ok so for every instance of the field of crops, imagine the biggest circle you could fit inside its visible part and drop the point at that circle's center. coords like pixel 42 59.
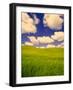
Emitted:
pixel 42 61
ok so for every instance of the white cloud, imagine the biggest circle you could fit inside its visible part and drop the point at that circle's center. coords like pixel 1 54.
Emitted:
pixel 51 46
pixel 45 40
pixel 28 43
pixel 28 25
pixel 53 21
pixel 61 45
pixel 26 18
pixel 33 40
pixel 36 20
pixel 40 40
pixel 59 36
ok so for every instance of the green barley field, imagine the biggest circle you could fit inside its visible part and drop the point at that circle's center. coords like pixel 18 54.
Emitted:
pixel 42 61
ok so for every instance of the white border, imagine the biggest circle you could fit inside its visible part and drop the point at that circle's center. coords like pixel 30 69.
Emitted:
pixel 65 77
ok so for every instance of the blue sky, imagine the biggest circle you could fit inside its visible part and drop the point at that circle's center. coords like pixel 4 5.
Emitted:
pixel 42 30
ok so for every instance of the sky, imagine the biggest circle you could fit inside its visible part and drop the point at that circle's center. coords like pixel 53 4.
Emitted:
pixel 42 29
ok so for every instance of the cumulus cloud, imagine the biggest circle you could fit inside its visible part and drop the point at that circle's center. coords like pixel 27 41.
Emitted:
pixel 45 40
pixel 51 46
pixel 28 44
pixel 27 24
pixel 61 45
pixel 59 36
pixel 36 20
pixel 53 21
pixel 40 40
pixel 33 39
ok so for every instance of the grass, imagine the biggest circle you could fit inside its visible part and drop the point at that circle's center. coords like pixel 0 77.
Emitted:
pixel 42 61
